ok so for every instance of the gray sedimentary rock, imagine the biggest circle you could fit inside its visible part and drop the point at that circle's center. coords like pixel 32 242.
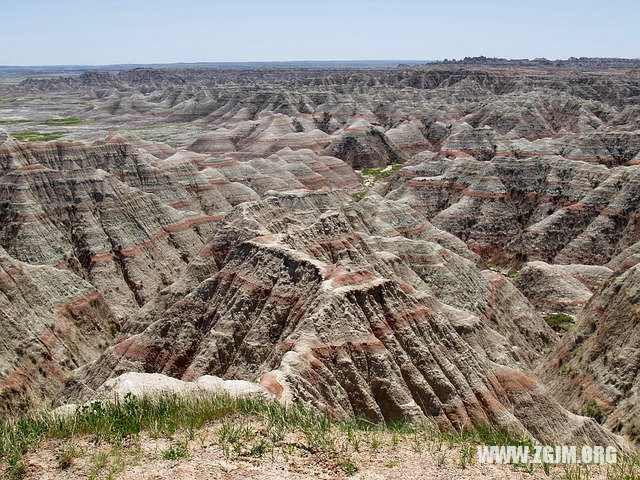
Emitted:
pixel 359 309
pixel 52 321
pixel 551 288
pixel 594 368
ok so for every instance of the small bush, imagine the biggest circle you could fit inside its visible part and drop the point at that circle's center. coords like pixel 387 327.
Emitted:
pixel 594 410
pixel 176 452
pixel 560 321
pixel 358 195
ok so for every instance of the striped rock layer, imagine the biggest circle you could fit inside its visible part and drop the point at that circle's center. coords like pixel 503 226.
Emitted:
pixel 357 308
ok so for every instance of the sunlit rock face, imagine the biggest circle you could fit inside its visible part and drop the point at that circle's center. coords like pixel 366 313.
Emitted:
pixel 357 308
pixel 209 217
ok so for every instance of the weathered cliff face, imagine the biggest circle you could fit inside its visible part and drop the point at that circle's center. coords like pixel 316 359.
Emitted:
pixel 594 369
pixel 111 222
pixel 127 221
pixel 103 212
pixel 361 309
pixel 541 208
pixel 52 322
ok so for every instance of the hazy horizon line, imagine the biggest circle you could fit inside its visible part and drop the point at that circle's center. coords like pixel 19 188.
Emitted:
pixel 354 60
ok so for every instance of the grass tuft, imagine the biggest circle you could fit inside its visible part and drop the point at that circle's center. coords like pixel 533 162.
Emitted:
pixel 349 467
pixel 176 452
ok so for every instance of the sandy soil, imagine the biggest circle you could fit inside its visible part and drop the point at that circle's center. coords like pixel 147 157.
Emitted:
pixel 370 456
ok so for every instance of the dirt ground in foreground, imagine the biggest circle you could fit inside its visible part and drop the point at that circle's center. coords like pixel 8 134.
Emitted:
pixel 363 455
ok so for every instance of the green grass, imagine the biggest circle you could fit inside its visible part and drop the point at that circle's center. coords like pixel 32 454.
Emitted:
pixel 358 196
pixel 18 121
pixel 32 136
pixel 512 273
pixel 7 100
pixel 62 122
pixel 118 423
pixel 119 419
pixel 378 174
pixel 560 321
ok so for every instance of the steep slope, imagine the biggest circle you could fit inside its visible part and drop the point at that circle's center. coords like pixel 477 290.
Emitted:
pixel 342 305
pixel 551 289
pixel 52 322
pixel 127 221
pixel 539 208
pixel 595 368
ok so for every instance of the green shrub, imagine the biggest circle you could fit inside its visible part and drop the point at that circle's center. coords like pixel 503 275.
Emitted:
pixel 560 321
pixel 358 195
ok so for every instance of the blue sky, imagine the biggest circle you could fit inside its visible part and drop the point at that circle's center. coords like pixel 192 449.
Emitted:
pixel 48 32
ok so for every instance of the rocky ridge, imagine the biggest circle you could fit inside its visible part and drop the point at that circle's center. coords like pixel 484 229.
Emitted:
pixel 356 308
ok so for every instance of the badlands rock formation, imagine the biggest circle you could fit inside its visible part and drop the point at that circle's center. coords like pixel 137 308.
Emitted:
pixel 92 232
pixel 359 309
pixel 594 368
pixel 52 322
pixel 551 288
pixel 222 234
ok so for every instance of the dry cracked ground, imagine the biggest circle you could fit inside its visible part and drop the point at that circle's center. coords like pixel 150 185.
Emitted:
pixel 455 243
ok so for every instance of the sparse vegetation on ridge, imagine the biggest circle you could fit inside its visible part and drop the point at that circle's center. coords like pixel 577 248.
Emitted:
pixel 112 433
pixel 382 172
pixel 560 321
pixel 32 136
pixel 62 122
pixel 17 121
